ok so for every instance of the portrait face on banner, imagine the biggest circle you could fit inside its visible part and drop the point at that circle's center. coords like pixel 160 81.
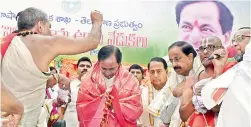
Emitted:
pixel 196 22
pixel 141 33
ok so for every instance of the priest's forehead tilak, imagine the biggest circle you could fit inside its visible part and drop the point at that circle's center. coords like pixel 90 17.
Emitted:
pixel 211 40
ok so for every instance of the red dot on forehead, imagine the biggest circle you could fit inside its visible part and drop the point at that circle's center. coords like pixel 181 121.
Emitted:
pixel 196 23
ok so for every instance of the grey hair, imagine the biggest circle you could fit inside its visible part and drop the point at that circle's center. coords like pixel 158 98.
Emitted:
pixel 28 18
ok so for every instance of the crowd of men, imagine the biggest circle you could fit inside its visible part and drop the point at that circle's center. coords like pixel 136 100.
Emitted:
pixel 202 88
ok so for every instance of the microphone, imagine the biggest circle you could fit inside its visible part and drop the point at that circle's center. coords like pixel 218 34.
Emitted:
pixel 215 56
pixel 232 52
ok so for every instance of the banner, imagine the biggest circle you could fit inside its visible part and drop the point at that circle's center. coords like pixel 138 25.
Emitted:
pixel 142 29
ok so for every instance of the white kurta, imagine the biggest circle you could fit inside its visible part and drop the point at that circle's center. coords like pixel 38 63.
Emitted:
pixel 109 83
pixel 235 110
pixel 70 115
pixel 144 118
pixel 45 113
pixel 22 77
pixel 165 98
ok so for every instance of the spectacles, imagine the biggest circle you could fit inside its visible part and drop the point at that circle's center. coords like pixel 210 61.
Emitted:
pixel 239 38
pixel 209 48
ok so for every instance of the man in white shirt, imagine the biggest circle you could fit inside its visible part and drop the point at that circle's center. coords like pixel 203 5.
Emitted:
pixel 84 65
pixel 231 90
pixel 185 62
pixel 158 71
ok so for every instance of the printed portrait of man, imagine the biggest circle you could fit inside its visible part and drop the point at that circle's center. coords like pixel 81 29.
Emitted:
pixel 198 19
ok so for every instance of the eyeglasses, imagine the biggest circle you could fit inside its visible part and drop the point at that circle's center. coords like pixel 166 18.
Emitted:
pixel 239 38
pixel 209 48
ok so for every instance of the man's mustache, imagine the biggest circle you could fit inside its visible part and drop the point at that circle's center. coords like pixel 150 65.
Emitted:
pixel 85 70
pixel 176 67
pixel 239 57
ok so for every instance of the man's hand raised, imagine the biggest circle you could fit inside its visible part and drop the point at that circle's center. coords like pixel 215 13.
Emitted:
pixel 96 17
pixel 220 62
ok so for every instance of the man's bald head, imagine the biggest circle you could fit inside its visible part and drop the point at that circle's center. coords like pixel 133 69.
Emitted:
pixel 244 28
pixel 211 40
pixel 207 46
pixel 243 31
